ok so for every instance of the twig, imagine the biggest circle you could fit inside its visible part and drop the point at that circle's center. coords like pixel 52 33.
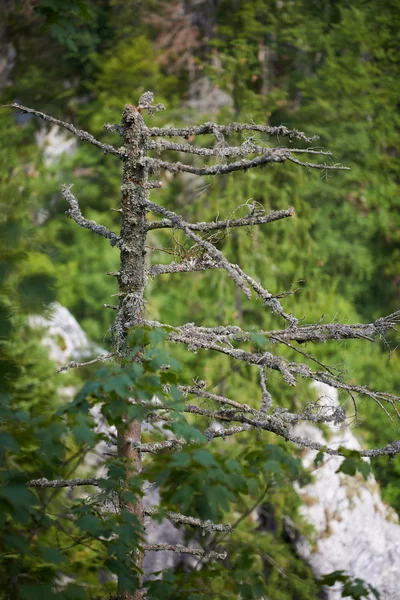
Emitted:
pixel 389 450
pixel 75 365
pixel 180 549
pixel 198 390
pixel 324 166
pixel 205 526
pixel 268 298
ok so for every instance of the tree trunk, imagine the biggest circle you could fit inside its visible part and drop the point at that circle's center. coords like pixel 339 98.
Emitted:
pixel 132 279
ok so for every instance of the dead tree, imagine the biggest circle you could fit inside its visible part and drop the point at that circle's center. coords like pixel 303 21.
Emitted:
pixel 138 141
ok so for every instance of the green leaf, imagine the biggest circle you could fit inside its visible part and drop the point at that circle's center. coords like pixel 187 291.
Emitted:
pixel 39 591
pixel 205 458
pixel 259 340
pixel 51 555
pixel 8 442
pixel 351 465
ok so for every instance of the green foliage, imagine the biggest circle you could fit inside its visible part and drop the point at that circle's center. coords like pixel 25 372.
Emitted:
pixel 351 587
pixel 353 463
pixel 50 440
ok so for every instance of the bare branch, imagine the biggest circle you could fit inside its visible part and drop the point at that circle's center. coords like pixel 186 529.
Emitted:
pixel 336 331
pixel 62 483
pixel 248 147
pixel 75 365
pixel 300 334
pixel 280 423
pixel 198 390
pixel 186 266
pixel 179 549
pixel 79 133
pixel 228 223
pixel 75 213
pixel 336 167
pixel 156 447
pixel 270 156
pixel 266 401
pixel 213 338
pixel 389 450
pixel 211 128
pixel 205 526
pixel 265 359
pixel 313 412
pixel 226 431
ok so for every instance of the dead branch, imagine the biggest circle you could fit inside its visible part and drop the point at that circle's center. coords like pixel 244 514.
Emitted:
pixel 228 223
pixel 324 166
pixel 180 549
pixel 248 147
pixel 79 133
pixel 75 213
pixel 205 526
pixel 75 365
pixel 198 390
pixel 300 333
pixel 186 266
pixel 270 156
pixel 211 128
pixel 62 483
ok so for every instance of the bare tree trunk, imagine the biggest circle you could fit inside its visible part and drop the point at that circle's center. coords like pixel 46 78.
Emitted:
pixel 131 281
pixel 134 465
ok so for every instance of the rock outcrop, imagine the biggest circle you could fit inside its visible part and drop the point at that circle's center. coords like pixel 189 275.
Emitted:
pixel 354 530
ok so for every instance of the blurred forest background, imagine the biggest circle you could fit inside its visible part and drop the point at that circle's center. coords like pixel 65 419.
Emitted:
pixel 326 67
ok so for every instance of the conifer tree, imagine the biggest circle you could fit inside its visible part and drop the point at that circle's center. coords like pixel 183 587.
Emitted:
pixel 138 387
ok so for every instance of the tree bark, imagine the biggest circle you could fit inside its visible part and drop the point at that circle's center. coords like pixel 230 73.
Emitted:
pixel 131 280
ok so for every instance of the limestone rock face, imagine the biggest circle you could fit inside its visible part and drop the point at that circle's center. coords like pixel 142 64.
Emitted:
pixel 63 336
pixel 205 98
pixel 354 530
pixel 54 142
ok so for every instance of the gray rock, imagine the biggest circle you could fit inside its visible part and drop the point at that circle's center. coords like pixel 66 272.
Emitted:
pixel 206 98
pixel 355 530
